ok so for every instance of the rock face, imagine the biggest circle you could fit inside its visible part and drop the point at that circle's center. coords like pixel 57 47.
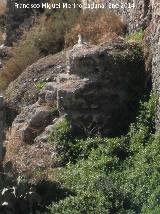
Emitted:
pixel 2 119
pixel 99 94
pixel 22 92
pixel 155 47
pixel 2 127
pixel 31 122
pixel 103 88
pixel 145 15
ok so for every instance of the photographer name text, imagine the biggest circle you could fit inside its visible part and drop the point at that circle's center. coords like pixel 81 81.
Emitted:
pixel 75 5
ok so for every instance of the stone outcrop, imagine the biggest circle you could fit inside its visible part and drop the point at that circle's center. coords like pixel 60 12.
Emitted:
pixel 31 122
pixel 22 91
pixel 103 87
pixel 145 15
pixel 2 118
pixel 154 30
pixel 99 93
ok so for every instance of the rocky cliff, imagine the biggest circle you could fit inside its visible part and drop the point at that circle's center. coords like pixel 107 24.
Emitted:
pixel 154 29
pixel 145 15
pixel 106 82
pixel 69 122
pixel 99 93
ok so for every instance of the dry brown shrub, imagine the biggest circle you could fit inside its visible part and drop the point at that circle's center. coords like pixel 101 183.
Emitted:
pixel 13 144
pixel 23 55
pixel 48 37
pixel 95 26
pixel 2 7
pixel 34 161
pixel 45 37
pixel 1 37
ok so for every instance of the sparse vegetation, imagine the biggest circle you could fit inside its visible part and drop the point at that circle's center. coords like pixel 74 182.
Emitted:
pixel 23 55
pixel 2 7
pixel 96 27
pixel 136 37
pixel 39 86
pixel 62 138
pixel 43 38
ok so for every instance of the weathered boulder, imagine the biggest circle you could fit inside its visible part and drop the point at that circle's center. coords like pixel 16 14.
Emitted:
pixel 48 93
pixel 23 92
pixel 99 94
pixel 43 137
pixel 31 122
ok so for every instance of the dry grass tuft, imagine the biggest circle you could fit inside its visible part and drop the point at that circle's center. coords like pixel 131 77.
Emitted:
pixel 34 161
pixel 13 144
pixel 96 27
pixel 59 31
pixel 23 55
pixel 2 7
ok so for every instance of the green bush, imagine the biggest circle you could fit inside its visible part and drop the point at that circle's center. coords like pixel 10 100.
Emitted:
pixel 62 138
pixel 144 128
pixel 54 112
pixel 136 37
pixel 39 86
pixel 117 175
pixel 50 37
